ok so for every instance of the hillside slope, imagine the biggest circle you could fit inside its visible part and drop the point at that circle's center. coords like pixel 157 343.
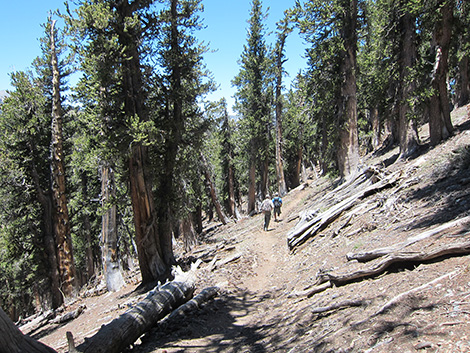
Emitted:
pixel 276 299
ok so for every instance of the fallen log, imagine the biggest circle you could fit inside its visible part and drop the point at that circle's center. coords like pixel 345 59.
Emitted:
pixel 340 305
pixel 127 328
pixel 404 258
pixel 69 316
pixel 38 322
pixel 376 253
pixel 311 290
pixel 401 296
pixel 191 305
pixel 307 229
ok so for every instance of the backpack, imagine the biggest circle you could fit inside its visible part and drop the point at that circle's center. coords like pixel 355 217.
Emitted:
pixel 277 202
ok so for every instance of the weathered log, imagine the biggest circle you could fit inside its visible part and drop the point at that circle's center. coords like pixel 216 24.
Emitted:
pixel 37 322
pixel 69 316
pixel 404 258
pixel 376 253
pixel 340 305
pixel 311 290
pixel 12 339
pixel 127 328
pixel 305 230
pixel 192 305
pixel 401 296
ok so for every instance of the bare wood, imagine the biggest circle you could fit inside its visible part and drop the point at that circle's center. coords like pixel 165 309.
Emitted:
pixel 340 305
pixel 127 328
pixel 387 261
pixel 69 316
pixel 225 261
pixel 311 290
pixel 400 297
pixel 193 304
pixel 305 230
pixel 376 253
pixel 37 322
pixel 71 342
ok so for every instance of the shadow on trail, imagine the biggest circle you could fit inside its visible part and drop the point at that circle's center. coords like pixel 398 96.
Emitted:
pixel 222 325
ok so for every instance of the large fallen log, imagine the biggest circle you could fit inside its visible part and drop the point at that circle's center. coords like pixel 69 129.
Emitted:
pixel 127 328
pixel 376 253
pixel 403 258
pixel 308 228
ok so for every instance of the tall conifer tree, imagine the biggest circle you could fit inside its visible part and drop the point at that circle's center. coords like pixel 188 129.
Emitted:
pixel 253 102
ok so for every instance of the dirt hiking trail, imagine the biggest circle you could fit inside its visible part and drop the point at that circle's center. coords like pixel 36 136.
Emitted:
pixel 274 299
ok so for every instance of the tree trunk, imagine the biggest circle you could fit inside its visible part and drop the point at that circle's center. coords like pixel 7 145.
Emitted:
pixel 464 93
pixel 281 181
pixel 127 328
pixel 90 263
pixel 407 135
pixel 252 184
pixel 375 122
pixel 13 341
pixel 440 125
pixel 348 151
pixel 149 250
pixel 60 210
pixel 300 156
pixel 213 193
pixel 109 238
pixel 153 240
pixel 49 243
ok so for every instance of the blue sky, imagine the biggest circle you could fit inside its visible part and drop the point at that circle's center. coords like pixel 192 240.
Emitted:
pixel 226 21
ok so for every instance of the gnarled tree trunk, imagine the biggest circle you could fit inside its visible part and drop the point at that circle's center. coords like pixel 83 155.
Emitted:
pixel 60 214
pixel 440 125
pixel 12 339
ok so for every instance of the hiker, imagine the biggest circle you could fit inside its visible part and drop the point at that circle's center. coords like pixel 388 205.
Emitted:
pixel 266 207
pixel 277 201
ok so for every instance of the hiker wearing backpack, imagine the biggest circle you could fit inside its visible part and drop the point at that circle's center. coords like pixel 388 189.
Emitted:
pixel 277 202
pixel 266 207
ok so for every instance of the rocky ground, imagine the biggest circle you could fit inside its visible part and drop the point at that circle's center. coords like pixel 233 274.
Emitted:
pixel 271 298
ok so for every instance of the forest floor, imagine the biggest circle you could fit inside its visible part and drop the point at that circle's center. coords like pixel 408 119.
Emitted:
pixel 266 301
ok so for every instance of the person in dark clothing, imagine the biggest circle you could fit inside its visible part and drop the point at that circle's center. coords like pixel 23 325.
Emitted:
pixel 277 202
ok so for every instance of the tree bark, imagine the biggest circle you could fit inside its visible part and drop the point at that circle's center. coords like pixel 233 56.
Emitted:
pixel 402 258
pixel 281 181
pixel 154 245
pixel 440 124
pixel 252 184
pixel 90 263
pixel 464 92
pixel 376 131
pixel 213 193
pixel 109 237
pixel 49 243
pixel 13 341
pixel 127 328
pixel 376 253
pixel 305 230
pixel 407 136
pixel 348 149
pixel 60 210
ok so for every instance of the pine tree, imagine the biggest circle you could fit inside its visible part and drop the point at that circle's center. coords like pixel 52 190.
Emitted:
pixel 284 29
pixel 331 27
pixel 253 102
